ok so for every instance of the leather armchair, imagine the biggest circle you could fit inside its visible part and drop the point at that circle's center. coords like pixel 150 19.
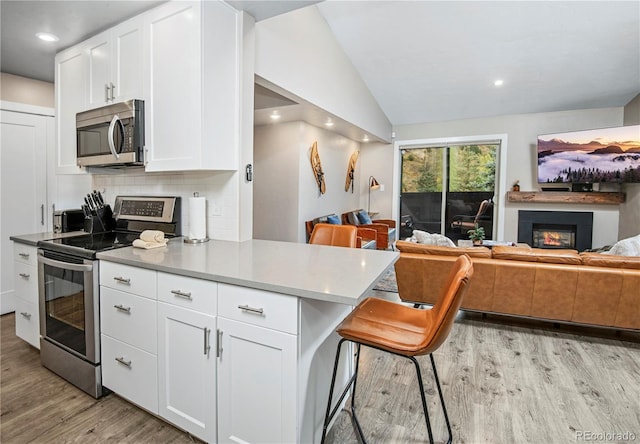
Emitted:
pixel 385 228
pixel 366 237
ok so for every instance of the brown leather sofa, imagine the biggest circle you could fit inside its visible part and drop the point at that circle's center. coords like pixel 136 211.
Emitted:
pixel 557 285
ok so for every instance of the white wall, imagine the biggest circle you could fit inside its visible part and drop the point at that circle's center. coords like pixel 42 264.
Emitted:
pixel 376 159
pixel 630 210
pixel 522 131
pixel 285 190
pixel 219 188
pixel 298 52
pixel 24 90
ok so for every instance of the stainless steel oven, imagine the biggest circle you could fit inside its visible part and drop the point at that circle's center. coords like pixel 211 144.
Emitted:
pixel 69 318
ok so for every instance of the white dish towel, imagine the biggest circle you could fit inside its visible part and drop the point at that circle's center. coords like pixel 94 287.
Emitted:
pixel 150 239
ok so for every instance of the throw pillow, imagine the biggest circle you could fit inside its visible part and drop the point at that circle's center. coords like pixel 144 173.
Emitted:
pixel 423 237
pixel 364 218
pixel 333 219
pixel 626 247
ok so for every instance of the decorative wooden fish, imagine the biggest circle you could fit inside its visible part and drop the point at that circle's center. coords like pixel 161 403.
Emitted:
pixel 317 168
pixel 351 169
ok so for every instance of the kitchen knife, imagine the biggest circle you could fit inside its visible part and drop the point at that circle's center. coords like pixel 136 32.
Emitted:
pixel 98 198
pixel 92 204
pixel 86 200
pixel 94 196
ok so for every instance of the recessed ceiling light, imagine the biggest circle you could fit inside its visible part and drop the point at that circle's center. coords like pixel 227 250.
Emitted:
pixel 365 138
pixel 47 37
pixel 329 122
pixel 275 115
pixel 498 82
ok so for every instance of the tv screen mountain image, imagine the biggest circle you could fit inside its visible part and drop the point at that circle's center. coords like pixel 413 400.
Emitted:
pixel 591 156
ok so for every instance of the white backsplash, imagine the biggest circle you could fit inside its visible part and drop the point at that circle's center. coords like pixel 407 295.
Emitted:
pixel 219 188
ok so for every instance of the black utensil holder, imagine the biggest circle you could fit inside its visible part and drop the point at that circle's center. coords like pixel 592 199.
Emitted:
pixel 100 221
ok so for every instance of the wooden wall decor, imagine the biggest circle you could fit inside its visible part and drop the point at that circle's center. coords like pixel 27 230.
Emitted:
pixel 351 169
pixel 317 168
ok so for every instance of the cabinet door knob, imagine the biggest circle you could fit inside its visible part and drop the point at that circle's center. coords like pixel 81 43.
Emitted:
pixel 25 315
pixel 112 88
pixel 182 294
pixel 121 307
pixel 25 275
pixel 219 344
pixel 207 339
pixel 251 309
pixel 106 92
pixel 24 255
pixel 122 280
pixel 124 362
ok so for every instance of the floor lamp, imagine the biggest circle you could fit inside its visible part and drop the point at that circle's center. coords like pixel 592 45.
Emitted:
pixel 373 185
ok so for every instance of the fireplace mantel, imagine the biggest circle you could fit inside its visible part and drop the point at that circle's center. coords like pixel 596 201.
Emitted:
pixel 593 197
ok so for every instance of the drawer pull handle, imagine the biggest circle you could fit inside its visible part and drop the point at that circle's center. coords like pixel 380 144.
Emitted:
pixel 25 275
pixel 182 294
pixel 25 315
pixel 123 362
pixel 207 340
pixel 122 280
pixel 251 309
pixel 122 308
pixel 24 255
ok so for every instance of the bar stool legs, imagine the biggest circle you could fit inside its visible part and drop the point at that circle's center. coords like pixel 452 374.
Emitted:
pixel 352 384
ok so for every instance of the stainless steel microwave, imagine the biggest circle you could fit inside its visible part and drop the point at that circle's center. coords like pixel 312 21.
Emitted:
pixel 112 135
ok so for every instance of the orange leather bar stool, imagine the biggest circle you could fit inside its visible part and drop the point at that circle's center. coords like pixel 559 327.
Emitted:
pixel 336 235
pixel 402 331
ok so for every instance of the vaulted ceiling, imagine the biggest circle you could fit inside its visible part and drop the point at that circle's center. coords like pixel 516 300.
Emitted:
pixel 423 61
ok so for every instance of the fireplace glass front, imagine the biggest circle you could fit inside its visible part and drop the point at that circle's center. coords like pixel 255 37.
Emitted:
pixel 554 236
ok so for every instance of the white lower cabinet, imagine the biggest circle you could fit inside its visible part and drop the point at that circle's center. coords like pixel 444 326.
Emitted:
pixel 187 369
pixel 257 384
pixel 25 267
pixel 130 372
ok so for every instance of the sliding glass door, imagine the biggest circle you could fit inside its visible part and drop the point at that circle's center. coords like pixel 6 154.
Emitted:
pixel 443 188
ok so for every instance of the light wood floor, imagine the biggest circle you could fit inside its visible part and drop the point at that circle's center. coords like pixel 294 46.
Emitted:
pixel 503 383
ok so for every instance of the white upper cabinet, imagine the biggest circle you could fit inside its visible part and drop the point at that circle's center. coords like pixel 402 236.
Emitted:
pixel 183 59
pixel 192 114
pixel 71 98
pixel 115 64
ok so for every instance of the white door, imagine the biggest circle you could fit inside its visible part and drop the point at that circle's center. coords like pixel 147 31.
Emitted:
pixel 71 98
pixel 256 403
pixel 174 114
pixel 99 62
pixel 127 57
pixel 187 370
pixel 23 188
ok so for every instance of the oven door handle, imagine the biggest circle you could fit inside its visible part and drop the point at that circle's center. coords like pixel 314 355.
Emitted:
pixel 66 265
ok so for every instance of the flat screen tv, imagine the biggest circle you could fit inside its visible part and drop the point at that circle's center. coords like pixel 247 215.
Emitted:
pixel 592 156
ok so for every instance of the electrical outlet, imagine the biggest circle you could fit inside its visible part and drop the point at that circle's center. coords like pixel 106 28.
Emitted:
pixel 216 210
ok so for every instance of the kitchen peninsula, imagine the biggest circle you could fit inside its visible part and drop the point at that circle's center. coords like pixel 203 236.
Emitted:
pixel 231 341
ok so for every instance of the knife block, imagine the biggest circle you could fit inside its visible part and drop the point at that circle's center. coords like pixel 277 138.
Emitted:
pixel 100 221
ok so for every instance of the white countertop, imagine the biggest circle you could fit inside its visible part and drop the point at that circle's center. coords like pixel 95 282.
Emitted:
pixel 334 274
pixel 32 239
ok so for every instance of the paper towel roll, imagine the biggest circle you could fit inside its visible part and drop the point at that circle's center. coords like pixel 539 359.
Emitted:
pixel 197 218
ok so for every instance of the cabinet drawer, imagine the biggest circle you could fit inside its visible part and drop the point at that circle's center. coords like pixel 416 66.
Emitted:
pixel 25 254
pixel 26 282
pixel 134 280
pixel 129 318
pixel 130 372
pixel 197 294
pixel 258 307
pixel 27 322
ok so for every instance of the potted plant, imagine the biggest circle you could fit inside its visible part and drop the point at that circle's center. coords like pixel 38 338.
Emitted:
pixel 476 235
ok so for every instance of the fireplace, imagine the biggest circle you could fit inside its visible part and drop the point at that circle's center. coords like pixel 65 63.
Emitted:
pixel 555 229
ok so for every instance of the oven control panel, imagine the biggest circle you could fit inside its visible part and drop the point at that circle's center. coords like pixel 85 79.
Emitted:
pixel 146 208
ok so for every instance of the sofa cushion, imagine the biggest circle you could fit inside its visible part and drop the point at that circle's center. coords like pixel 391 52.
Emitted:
pixel 333 219
pixel 550 256
pixel 611 261
pixel 363 217
pixel 412 247
pixel 626 247
pixel 423 237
